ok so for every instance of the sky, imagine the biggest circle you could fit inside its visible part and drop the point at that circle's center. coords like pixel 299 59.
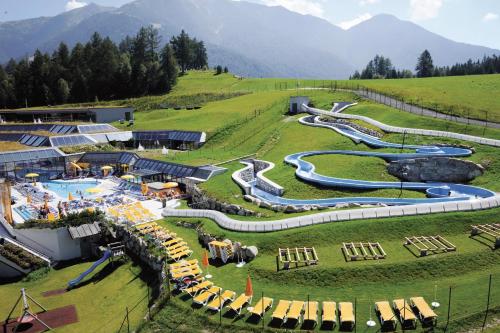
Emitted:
pixel 469 21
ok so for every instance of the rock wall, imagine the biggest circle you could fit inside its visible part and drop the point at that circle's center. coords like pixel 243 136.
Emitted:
pixel 262 182
pixel 435 169
pixel 199 200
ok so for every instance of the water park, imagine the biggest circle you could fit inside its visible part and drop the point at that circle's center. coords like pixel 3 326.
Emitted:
pixel 305 214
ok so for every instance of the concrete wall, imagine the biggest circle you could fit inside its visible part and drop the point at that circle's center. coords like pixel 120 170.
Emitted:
pixel 54 243
pixel 299 100
pixel 108 115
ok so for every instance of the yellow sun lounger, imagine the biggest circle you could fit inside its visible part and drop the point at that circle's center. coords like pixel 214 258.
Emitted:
pixel 281 310
pixel 182 268
pixel 405 313
pixel 311 312
pixel 218 302
pixel 181 255
pixel 194 290
pixel 346 314
pixel 172 241
pixel 183 263
pixel 204 297
pixel 386 315
pixel 329 314
pixel 238 304
pixel 295 311
pixel 177 250
pixel 176 246
pixel 182 275
pixel 261 307
pixel 143 226
pixel 425 313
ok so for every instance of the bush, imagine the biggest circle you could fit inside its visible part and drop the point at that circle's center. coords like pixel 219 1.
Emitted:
pixel 21 257
pixel 70 220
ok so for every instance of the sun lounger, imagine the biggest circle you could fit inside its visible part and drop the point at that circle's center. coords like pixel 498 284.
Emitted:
pixel 204 297
pixel 218 302
pixel 177 250
pixel 346 314
pixel 405 313
pixel 387 317
pixel 181 255
pixel 238 304
pixel 281 310
pixel 181 275
pixel 194 290
pixel 183 263
pixel 329 314
pixel 425 313
pixel 182 268
pixel 295 311
pixel 261 306
pixel 311 312
pixel 172 241
pixel 176 246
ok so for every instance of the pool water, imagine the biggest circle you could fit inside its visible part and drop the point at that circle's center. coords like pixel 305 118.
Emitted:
pixel 63 188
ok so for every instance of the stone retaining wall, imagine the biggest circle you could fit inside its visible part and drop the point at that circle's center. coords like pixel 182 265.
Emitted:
pixel 199 200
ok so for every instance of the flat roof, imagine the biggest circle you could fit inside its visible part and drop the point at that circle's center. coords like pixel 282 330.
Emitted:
pixel 61 110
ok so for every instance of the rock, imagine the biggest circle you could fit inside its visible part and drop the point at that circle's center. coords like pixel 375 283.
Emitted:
pixel 257 202
pixel 341 205
pixel 242 212
pixel 248 198
pixel 435 169
pixel 276 208
pixel 290 209
pixel 251 252
pixel 265 205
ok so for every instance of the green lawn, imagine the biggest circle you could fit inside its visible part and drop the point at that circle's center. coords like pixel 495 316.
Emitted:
pixel 101 299
pixel 471 95
pixel 400 275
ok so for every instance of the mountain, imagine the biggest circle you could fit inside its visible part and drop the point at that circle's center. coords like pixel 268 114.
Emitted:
pixel 251 39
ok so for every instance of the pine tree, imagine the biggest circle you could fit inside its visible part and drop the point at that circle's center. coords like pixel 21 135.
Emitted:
pixel 183 51
pixel 425 67
pixel 168 68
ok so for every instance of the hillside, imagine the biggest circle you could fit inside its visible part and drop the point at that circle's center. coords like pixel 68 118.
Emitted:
pixel 251 39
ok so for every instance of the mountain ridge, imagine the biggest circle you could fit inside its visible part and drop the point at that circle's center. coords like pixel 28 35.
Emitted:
pixel 251 39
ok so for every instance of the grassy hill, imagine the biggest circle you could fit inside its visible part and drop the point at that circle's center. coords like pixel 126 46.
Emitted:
pixel 469 96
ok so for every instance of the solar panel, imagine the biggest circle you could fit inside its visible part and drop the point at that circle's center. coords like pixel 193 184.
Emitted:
pixel 71 140
pixel 187 136
pixel 96 128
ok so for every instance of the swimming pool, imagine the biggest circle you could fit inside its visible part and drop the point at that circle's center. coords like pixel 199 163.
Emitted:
pixel 63 188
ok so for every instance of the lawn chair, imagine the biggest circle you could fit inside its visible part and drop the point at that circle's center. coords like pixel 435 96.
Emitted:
pixel 181 255
pixel 218 302
pixel 183 263
pixel 194 290
pixel 295 311
pixel 261 306
pixel 405 313
pixel 427 316
pixel 281 310
pixel 311 313
pixel 329 314
pixel 386 316
pixel 181 275
pixel 238 304
pixel 204 297
pixel 346 314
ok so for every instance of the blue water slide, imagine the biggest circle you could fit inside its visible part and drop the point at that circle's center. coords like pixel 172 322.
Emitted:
pixel 107 254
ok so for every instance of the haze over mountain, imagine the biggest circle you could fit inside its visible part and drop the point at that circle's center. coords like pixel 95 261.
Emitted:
pixel 249 38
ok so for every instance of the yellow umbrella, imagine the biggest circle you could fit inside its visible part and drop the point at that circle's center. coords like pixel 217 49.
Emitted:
pixel 93 190
pixel 170 185
pixel 74 165
pixel 70 197
pixel 127 177
pixel 106 167
pixel 32 175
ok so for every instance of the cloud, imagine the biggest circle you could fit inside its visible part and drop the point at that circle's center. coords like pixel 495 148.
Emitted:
pixel 355 21
pixel 490 17
pixel 425 9
pixel 74 4
pixel 306 7
pixel 368 2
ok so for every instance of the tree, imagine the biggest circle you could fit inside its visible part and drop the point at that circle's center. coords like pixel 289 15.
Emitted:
pixel 168 68
pixel 226 70
pixel 63 92
pixel 424 66
pixel 182 49
pixel 218 70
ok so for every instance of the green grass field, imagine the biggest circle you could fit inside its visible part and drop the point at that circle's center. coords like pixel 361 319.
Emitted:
pixel 469 96
pixel 101 299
